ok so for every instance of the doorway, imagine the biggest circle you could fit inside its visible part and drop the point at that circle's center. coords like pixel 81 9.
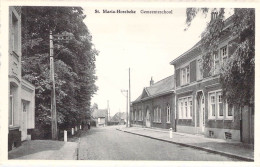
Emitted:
pixel 201 111
pixel 25 105
pixel 148 118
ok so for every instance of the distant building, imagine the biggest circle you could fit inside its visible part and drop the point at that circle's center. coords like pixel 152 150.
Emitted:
pixel 100 117
pixel 119 117
pixel 21 119
pixel 155 106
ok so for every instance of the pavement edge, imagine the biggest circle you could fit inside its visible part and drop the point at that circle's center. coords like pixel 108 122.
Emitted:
pixel 195 147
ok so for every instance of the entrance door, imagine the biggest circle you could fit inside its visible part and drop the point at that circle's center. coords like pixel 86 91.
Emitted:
pixel 202 113
pixel 147 119
pixel 24 121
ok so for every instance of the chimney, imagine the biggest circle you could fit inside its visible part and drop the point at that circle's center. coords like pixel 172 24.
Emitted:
pixel 151 82
pixel 214 15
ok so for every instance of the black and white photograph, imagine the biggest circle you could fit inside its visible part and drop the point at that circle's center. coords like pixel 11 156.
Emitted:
pixel 139 82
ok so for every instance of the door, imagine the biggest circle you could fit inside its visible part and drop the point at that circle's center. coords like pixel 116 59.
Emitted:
pixel 24 121
pixel 202 114
pixel 147 119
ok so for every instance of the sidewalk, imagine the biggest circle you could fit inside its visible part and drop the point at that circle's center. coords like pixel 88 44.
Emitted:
pixel 45 150
pixel 227 148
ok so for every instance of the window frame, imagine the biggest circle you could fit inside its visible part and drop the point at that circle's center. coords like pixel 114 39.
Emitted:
pixel 157 115
pixel 184 110
pixel 168 114
pixel 190 107
pixel 221 53
pixel 217 111
pixel 227 117
pixel 185 75
pixel 218 94
pixel 140 115
pixel 211 94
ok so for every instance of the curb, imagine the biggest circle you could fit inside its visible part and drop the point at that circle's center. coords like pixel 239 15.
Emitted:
pixel 195 147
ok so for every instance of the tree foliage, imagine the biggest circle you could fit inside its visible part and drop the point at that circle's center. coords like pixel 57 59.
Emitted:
pixel 74 63
pixel 237 75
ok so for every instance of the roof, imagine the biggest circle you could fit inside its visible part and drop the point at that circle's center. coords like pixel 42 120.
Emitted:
pixel 195 48
pixel 186 54
pixel 163 86
pixel 119 116
pixel 100 113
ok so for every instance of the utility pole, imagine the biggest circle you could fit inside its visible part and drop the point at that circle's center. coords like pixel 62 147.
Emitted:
pixel 65 37
pixel 126 108
pixel 53 99
pixel 128 116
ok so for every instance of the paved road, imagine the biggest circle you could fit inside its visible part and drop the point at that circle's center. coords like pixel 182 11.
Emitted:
pixel 107 143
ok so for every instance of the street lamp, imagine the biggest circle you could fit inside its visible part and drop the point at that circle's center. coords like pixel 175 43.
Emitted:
pixel 65 37
pixel 126 106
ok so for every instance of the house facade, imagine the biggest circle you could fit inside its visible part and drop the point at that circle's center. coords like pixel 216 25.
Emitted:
pixel 155 106
pixel 21 93
pixel 100 116
pixel 199 103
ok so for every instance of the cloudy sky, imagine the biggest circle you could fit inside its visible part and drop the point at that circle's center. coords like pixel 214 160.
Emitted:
pixel 146 43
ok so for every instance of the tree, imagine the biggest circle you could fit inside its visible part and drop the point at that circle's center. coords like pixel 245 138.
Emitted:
pixel 237 75
pixel 74 63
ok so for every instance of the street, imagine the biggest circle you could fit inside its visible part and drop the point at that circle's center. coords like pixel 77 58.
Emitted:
pixel 107 143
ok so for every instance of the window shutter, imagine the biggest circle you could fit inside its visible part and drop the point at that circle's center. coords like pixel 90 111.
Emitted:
pixel 207 69
pixel 177 77
pixel 193 71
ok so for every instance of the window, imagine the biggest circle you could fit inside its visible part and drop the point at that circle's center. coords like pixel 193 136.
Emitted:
pixel 199 69
pixel 216 64
pixel 136 115
pixel 157 114
pixel 98 120
pixel 140 115
pixel 168 113
pixel 11 110
pixel 154 114
pixel 220 105
pixel 223 54
pixel 219 108
pixel 180 109
pixel 24 107
pixel 212 105
pixel 185 75
pixel 185 108
pixel 14 36
pixel 190 106
pixel 230 111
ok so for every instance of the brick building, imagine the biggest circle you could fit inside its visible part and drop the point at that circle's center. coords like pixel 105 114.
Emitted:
pixel 190 101
pixel 199 103
pixel 21 93
pixel 155 106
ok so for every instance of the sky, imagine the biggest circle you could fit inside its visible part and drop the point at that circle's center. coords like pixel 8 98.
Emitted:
pixel 144 43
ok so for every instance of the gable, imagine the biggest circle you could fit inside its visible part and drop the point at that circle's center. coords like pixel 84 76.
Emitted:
pixel 144 94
